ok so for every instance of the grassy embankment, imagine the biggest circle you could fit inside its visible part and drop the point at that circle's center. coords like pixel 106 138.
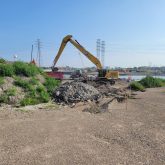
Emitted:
pixel 27 81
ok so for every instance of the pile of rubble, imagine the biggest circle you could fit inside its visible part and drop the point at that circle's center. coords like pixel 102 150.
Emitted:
pixel 106 89
pixel 73 92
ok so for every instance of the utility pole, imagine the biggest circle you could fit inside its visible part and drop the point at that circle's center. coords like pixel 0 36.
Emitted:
pixel 39 45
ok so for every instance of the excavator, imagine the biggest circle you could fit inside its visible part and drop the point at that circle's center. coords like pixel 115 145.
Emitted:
pixel 103 74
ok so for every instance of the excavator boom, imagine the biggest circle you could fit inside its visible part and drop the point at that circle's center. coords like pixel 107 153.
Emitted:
pixel 67 39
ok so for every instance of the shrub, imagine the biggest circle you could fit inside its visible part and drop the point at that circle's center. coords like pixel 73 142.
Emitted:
pixel 51 84
pixel 25 69
pixel 137 86
pixel 1 80
pixel 151 82
pixel 2 61
pixel 6 70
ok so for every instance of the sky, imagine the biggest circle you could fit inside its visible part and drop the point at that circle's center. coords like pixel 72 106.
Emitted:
pixel 133 30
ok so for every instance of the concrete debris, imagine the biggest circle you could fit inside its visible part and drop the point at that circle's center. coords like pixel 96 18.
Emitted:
pixel 106 89
pixel 73 92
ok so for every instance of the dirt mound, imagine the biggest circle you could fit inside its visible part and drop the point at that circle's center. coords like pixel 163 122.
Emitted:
pixel 72 92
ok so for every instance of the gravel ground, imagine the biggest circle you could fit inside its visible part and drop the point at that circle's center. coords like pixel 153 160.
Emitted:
pixel 129 136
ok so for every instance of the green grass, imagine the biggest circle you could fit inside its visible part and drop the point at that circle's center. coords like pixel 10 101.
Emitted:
pixel 51 84
pixel 4 98
pixel 23 84
pixel 11 92
pixel 6 70
pixel 137 86
pixel 33 81
pixel 35 92
pixel 25 69
pixel 29 101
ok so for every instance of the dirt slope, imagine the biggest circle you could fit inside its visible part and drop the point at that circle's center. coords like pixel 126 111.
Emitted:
pixel 134 136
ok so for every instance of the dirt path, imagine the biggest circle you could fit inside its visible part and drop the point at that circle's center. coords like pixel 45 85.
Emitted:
pixel 131 136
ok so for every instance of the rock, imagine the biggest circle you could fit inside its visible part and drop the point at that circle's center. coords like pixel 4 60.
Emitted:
pixel 73 92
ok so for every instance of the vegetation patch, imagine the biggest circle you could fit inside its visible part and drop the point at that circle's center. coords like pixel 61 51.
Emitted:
pixel 1 81
pixel 2 61
pixel 137 86
pixel 51 84
pixel 5 97
pixel 27 87
pixel 23 84
pixel 151 82
pixel 25 69
pixel 29 101
pixel 6 70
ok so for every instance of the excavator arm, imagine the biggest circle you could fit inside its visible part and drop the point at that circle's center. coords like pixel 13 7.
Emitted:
pixel 67 39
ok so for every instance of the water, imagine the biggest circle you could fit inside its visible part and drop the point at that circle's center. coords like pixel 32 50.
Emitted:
pixel 137 77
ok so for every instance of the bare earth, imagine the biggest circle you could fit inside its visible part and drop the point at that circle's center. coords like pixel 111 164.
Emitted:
pixel 132 136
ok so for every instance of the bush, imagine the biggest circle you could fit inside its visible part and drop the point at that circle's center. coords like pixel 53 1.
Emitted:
pixel 51 84
pixel 151 82
pixel 6 70
pixel 137 86
pixel 2 61
pixel 25 69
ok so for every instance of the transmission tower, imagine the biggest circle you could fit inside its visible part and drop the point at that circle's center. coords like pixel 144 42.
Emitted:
pixel 102 52
pixel 98 42
pixel 39 46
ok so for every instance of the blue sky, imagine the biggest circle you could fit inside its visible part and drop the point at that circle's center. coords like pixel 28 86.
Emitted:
pixel 133 30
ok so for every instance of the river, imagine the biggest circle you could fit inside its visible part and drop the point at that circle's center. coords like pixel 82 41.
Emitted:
pixel 137 77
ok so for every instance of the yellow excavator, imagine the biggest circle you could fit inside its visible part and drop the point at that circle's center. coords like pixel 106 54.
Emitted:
pixel 103 74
